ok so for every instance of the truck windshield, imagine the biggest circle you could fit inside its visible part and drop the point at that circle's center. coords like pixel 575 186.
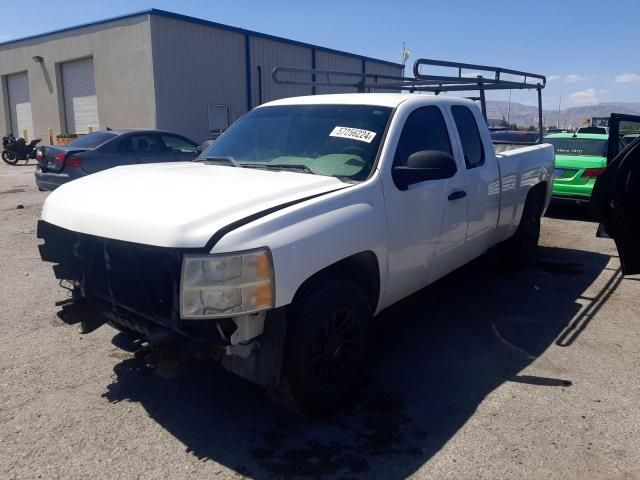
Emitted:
pixel 579 146
pixel 334 140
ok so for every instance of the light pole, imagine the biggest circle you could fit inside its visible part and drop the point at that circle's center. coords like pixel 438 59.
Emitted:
pixel 559 102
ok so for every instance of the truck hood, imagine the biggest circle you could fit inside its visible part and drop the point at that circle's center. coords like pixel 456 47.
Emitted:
pixel 175 204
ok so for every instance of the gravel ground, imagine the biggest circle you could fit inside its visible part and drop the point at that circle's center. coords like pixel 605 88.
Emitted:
pixel 486 374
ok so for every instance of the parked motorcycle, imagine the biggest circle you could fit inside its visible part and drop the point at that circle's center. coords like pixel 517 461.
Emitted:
pixel 14 149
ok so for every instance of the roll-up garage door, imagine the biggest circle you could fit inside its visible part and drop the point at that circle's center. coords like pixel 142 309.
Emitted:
pixel 19 104
pixel 79 90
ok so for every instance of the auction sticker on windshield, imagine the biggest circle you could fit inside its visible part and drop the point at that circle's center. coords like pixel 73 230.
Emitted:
pixel 353 133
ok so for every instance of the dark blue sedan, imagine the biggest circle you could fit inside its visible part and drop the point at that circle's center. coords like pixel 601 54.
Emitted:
pixel 105 149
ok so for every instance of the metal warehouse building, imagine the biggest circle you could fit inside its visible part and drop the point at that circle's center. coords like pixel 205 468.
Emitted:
pixel 152 69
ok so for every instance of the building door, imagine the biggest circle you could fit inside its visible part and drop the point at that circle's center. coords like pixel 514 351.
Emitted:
pixel 19 104
pixel 79 91
pixel 219 119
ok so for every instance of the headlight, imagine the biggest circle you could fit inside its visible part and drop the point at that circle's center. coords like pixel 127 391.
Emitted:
pixel 226 285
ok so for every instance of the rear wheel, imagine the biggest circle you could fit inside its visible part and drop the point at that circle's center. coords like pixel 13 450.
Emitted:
pixel 9 157
pixel 325 348
pixel 517 251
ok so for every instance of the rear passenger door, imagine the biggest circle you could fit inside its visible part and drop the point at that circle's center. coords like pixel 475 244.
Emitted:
pixel 481 179
pixel 142 148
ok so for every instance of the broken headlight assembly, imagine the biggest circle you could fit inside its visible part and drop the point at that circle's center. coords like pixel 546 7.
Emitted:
pixel 215 286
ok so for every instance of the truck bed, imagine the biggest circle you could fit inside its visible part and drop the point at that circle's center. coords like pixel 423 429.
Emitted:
pixel 521 167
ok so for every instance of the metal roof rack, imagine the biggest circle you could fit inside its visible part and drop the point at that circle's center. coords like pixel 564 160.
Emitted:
pixel 465 77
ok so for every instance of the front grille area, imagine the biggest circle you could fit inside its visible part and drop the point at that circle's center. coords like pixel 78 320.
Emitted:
pixel 141 279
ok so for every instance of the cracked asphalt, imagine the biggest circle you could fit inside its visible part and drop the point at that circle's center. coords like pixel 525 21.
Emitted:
pixel 485 375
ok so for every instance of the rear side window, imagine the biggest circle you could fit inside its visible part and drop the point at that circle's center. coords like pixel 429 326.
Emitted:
pixel 472 146
pixel 92 140
pixel 140 143
pixel 424 130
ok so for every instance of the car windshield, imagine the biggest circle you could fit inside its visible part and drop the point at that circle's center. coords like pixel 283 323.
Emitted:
pixel 600 130
pixel 92 140
pixel 334 140
pixel 579 146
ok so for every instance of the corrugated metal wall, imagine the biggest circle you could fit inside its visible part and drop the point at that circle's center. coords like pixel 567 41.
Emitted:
pixel 340 63
pixel 267 54
pixel 196 66
pixel 382 69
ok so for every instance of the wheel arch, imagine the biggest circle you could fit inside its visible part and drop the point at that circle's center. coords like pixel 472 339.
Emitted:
pixel 537 196
pixel 362 268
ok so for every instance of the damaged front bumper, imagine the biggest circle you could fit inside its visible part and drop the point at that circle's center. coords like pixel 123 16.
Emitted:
pixel 136 287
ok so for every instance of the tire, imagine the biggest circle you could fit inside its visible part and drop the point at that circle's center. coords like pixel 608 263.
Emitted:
pixel 516 252
pixel 9 157
pixel 325 348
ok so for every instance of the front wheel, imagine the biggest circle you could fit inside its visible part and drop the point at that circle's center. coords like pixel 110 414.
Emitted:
pixel 325 348
pixel 9 157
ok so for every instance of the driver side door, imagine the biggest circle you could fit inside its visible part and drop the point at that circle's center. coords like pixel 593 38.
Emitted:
pixel 616 194
pixel 426 222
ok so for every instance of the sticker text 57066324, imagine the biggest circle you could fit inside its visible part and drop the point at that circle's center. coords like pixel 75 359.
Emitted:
pixel 354 133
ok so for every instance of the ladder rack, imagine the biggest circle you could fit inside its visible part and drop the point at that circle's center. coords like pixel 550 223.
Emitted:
pixel 464 77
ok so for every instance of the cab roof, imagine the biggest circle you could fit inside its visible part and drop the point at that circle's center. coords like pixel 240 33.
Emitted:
pixel 373 99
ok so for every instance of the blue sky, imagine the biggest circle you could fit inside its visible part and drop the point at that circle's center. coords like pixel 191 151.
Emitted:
pixel 588 49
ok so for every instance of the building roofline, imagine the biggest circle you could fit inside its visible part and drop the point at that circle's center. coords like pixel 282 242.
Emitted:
pixel 208 23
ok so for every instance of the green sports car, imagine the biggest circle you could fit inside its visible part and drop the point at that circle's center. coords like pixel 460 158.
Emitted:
pixel 580 158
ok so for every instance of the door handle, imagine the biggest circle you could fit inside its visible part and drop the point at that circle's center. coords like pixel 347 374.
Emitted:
pixel 457 195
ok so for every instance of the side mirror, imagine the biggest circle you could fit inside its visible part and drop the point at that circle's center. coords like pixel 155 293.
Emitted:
pixel 424 165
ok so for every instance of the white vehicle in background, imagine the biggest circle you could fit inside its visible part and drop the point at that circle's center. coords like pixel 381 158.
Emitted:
pixel 593 129
pixel 275 248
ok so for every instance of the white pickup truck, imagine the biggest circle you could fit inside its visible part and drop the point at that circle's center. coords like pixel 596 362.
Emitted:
pixel 274 249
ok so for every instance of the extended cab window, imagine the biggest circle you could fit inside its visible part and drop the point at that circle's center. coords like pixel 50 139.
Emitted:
pixel 472 146
pixel 424 130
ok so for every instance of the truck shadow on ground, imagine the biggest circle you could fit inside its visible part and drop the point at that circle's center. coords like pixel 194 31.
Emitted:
pixel 579 212
pixel 438 354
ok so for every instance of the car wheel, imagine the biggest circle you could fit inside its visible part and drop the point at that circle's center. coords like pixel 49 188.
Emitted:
pixel 516 252
pixel 325 348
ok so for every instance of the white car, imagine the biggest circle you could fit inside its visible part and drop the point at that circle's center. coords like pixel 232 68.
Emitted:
pixel 277 246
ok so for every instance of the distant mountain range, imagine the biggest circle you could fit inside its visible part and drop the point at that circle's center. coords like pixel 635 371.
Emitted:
pixel 525 115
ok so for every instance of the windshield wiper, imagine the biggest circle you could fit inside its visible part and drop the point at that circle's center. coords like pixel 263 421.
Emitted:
pixel 283 166
pixel 229 160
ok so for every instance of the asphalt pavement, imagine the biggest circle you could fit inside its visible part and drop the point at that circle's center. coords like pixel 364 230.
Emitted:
pixel 487 374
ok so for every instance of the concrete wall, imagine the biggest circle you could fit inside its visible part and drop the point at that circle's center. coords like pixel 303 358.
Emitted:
pixel 196 66
pixel 123 69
